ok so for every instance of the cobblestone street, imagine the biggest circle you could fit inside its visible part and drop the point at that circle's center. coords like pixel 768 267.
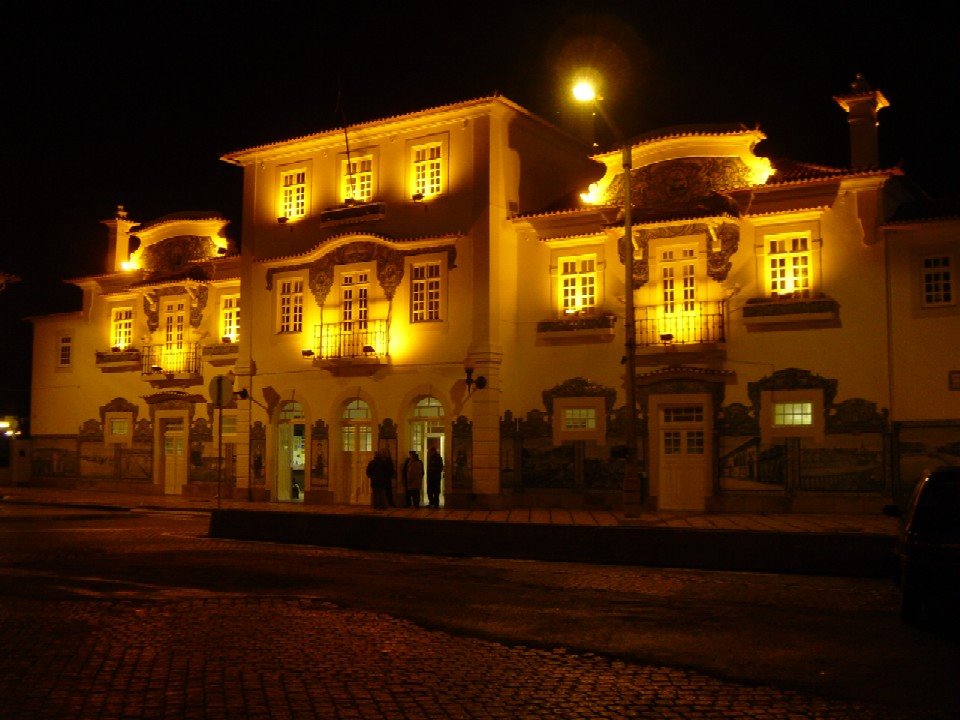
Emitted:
pixel 279 658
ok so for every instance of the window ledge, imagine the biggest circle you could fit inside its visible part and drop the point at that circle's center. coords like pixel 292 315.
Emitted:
pixel 356 212
pixel 578 327
pixel 224 354
pixel 112 361
pixel 773 311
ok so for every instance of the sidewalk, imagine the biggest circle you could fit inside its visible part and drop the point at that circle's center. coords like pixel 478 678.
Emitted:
pixel 853 545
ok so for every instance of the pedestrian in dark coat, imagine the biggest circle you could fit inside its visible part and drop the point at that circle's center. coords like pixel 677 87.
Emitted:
pixel 414 479
pixel 434 474
pixel 380 471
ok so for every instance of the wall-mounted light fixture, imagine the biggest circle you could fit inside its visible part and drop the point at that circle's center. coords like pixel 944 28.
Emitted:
pixel 417 197
pixel 480 382
pixel 666 338
pixel 307 353
pixel 156 368
pixel 226 340
pixel 282 220
pixel 369 349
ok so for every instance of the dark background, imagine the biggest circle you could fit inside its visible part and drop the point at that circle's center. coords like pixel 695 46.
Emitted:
pixel 133 102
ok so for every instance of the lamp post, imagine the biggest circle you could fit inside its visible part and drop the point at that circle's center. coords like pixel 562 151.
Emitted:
pixel 584 91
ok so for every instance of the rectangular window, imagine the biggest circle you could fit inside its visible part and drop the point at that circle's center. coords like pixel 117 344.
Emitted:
pixel 65 351
pixel 121 328
pixel 578 283
pixel 291 306
pixel 937 281
pixel 294 198
pixel 355 301
pixel 683 413
pixel 425 292
pixel 427 170
pixel 695 442
pixel 671 442
pixel 579 418
pixel 358 179
pixel 792 413
pixel 229 423
pixel 789 266
pixel 230 317
pixel 174 322
pixel 119 427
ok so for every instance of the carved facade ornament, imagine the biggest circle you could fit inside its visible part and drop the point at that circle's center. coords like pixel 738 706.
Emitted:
pixel 536 425
pixel 681 182
pixel 143 431
pixel 857 415
pixel 716 389
pixel 578 387
pixel 737 420
pixel 152 300
pixel 91 430
pixel 201 431
pixel 118 404
pixel 320 431
pixel 462 427
pixel 727 238
pixel 792 379
pixel 387 430
pixel 198 302
pixel 723 240
pixel 388 258
pixel 176 254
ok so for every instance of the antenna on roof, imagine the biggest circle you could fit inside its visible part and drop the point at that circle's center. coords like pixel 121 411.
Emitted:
pixel 346 141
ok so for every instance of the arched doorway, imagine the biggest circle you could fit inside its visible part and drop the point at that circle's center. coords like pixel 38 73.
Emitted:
pixel 427 430
pixel 291 452
pixel 356 450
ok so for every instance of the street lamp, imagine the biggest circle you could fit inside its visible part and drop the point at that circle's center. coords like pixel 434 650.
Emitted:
pixel 585 91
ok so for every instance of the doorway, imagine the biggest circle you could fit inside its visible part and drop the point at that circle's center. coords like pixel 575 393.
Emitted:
pixel 356 450
pixel 684 456
pixel 291 453
pixel 174 457
pixel 427 430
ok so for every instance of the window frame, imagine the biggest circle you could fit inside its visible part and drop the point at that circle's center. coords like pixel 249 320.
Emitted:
pixel 562 433
pixel 230 316
pixel 293 324
pixel 788 269
pixel 949 281
pixel 290 206
pixel 109 423
pixel 421 190
pixel 370 174
pixel 121 328
pixel 770 431
pixel 64 343
pixel 433 291
pixel 579 277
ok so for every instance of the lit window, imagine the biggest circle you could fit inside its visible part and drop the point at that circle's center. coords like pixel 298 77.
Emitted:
pixel 119 427
pixel 355 301
pixel 229 421
pixel 121 328
pixel 291 306
pixel 358 179
pixel 792 413
pixel 579 418
pixel 65 351
pixel 230 317
pixel 788 263
pixel 937 281
pixel 425 292
pixel 294 198
pixel 427 170
pixel 578 284
pixel 678 285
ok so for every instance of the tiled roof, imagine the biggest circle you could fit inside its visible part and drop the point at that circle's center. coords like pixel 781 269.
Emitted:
pixel 793 171
pixel 178 217
pixel 326 241
pixel 926 211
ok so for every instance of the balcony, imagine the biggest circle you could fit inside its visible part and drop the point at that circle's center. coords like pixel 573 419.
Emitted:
pixel 159 361
pixel 578 328
pixel 690 328
pixel 356 342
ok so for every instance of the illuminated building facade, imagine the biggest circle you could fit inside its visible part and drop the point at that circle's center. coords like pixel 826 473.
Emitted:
pixel 453 278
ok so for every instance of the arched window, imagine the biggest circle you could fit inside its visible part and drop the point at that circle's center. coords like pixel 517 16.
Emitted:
pixel 291 411
pixel 356 410
pixel 428 407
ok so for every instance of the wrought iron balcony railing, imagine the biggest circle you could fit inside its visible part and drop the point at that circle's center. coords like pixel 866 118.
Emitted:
pixel 681 323
pixel 352 339
pixel 161 360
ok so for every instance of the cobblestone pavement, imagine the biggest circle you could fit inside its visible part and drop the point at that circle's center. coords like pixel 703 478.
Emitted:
pixel 231 657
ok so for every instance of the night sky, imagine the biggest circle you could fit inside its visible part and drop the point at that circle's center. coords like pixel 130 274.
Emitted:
pixel 134 102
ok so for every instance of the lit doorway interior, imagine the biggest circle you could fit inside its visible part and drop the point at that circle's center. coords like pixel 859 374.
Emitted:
pixel 291 452
pixel 356 450
pixel 427 431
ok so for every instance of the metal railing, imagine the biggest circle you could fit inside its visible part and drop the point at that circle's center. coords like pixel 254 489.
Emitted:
pixel 161 360
pixel 681 323
pixel 352 339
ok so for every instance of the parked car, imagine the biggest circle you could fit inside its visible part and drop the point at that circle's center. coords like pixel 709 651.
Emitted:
pixel 928 545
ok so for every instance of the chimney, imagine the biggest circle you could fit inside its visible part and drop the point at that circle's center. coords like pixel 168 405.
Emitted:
pixel 118 242
pixel 862 104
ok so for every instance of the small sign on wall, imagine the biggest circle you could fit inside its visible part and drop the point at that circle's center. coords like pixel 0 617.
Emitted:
pixel 954 380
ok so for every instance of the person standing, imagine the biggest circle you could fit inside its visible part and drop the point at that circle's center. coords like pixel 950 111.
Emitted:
pixel 380 472
pixel 434 473
pixel 414 479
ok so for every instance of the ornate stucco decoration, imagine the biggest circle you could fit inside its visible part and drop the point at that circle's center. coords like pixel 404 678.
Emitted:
pixel 201 430
pixel 175 254
pixel 723 240
pixel 91 430
pixel 681 182
pixel 173 400
pixel 387 430
pixel 578 387
pixel 388 258
pixel 320 431
pixel 736 420
pixel 792 379
pixel 680 387
pixel 198 302
pixel 857 415
pixel 118 404
pixel 143 431
pixel 535 425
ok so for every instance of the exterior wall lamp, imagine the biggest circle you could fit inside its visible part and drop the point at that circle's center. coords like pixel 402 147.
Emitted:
pixel 480 382
pixel 307 353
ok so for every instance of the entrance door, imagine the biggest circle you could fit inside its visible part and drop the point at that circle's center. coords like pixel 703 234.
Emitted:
pixel 427 431
pixel 291 452
pixel 683 457
pixel 356 450
pixel 174 461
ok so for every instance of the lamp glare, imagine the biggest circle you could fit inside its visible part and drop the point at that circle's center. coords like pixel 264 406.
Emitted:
pixel 583 91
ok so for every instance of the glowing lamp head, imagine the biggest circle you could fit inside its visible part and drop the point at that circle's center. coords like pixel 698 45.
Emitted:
pixel 584 91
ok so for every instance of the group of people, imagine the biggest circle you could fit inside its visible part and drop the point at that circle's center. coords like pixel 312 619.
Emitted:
pixel 381 472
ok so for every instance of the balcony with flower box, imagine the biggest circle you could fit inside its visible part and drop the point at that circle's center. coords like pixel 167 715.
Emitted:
pixel 118 359
pixel 681 332
pixel 354 343
pixel 578 327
